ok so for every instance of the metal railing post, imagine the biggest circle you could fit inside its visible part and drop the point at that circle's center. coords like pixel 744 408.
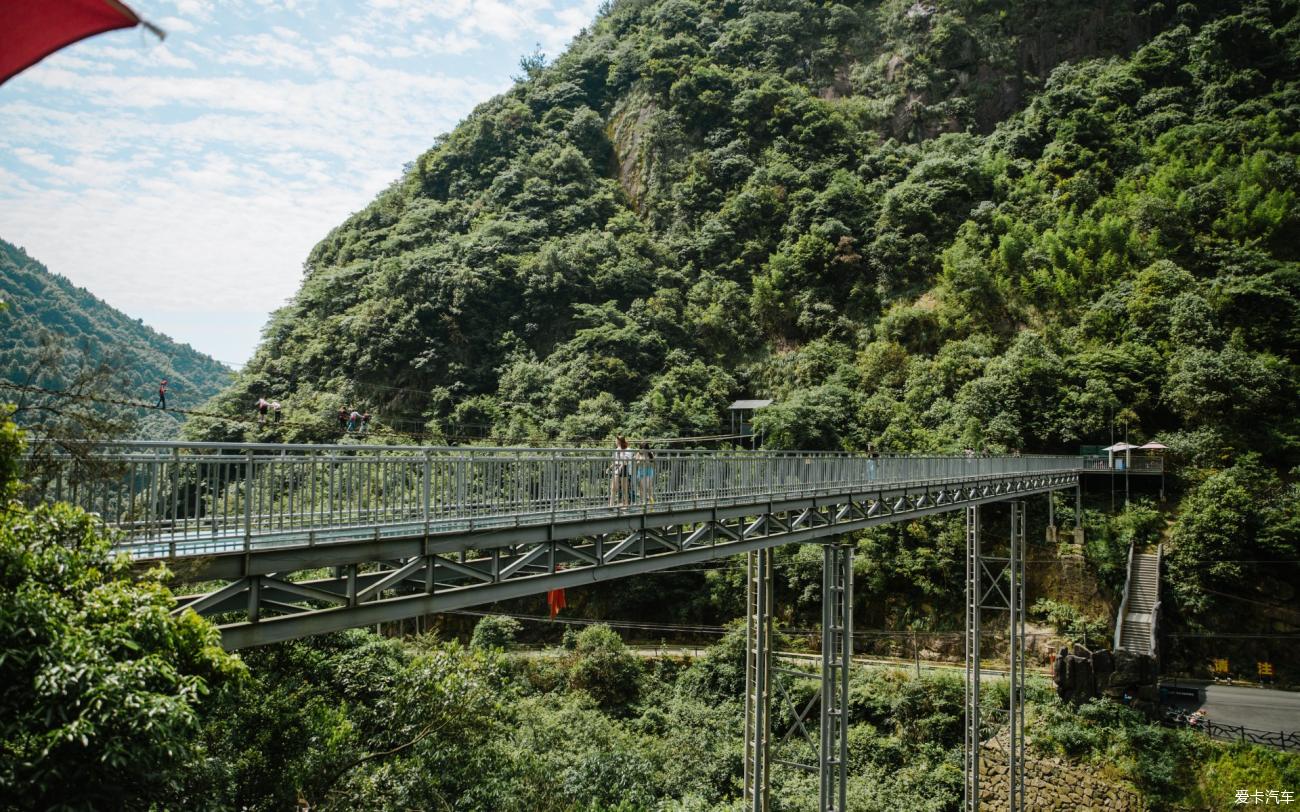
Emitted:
pixel 428 488
pixel 248 500
pixel 176 496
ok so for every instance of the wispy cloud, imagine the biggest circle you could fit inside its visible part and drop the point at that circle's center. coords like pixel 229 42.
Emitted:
pixel 193 176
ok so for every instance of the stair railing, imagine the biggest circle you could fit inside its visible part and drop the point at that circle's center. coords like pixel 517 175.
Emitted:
pixel 1155 610
pixel 1123 603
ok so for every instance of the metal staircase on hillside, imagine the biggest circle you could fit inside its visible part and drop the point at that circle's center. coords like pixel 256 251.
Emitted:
pixel 1135 628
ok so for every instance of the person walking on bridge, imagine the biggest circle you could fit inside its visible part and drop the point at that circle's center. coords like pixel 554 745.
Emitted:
pixel 162 395
pixel 620 470
pixel 645 474
pixel 262 406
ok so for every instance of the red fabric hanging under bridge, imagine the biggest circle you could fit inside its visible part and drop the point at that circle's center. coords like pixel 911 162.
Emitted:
pixel 31 30
pixel 555 599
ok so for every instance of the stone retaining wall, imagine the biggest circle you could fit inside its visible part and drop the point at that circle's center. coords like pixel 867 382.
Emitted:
pixel 1051 784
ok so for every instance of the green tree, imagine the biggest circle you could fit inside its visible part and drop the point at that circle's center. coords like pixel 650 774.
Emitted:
pixel 101 687
pixel 1229 527
pixel 495 632
pixel 604 668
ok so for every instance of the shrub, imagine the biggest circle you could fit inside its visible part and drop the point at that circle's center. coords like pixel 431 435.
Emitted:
pixel 605 669
pixel 495 632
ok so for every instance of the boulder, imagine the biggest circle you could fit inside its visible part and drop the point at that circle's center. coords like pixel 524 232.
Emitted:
pixel 1132 669
pixel 1081 675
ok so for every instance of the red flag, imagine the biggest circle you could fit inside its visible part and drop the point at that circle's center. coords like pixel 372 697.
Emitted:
pixel 555 599
pixel 31 30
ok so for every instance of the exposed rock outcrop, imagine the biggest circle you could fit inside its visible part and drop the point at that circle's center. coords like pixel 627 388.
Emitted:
pixel 1081 675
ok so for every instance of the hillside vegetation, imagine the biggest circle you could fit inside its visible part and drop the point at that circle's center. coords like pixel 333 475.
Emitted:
pixel 919 225
pixel 354 721
pixel 112 701
pixel 53 333
pixel 922 225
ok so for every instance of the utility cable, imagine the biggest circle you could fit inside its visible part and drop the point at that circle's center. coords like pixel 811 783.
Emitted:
pixel 378 431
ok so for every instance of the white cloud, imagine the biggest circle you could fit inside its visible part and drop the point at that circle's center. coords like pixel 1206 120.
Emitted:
pixel 176 25
pixel 153 54
pixel 274 50
pixel 453 42
pixel 188 181
pixel 197 9
pixel 352 45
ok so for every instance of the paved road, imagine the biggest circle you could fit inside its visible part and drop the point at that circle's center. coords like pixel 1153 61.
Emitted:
pixel 1258 708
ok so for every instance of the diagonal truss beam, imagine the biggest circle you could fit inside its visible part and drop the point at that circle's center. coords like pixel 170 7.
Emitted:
pixel 506 573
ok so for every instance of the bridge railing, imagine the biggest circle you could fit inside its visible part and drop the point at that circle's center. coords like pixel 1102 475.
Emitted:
pixel 163 493
pixel 1139 464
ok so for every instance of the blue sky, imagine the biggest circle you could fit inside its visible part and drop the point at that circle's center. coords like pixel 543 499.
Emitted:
pixel 184 182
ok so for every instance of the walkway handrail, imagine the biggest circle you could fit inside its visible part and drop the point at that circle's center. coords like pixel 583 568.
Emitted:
pixel 1123 602
pixel 1155 609
pixel 160 492
pixel 1143 464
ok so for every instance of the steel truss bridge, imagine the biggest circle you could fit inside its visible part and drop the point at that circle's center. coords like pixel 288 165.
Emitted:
pixel 295 540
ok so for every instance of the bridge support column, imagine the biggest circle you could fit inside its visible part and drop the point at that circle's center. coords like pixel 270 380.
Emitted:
pixel 254 598
pixel 758 696
pixel 1016 658
pixel 837 652
pixel 996 583
pixel 971 792
pixel 1078 512
pixel 1051 517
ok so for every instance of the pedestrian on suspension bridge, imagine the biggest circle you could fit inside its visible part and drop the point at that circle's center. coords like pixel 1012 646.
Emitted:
pixel 645 474
pixel 162 395
pixel 262 406
pixel 620 471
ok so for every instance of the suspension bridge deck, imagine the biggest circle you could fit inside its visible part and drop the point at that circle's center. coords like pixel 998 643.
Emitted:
pixel 406 531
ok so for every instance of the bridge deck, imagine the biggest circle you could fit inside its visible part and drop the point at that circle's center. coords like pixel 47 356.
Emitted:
pixel 409 531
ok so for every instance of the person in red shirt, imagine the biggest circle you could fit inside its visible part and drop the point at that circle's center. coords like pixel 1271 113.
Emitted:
pixel 162 395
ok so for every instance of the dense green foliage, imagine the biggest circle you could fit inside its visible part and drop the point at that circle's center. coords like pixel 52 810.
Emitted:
pixel 353 721
pixel 52 331
pixel 101 688
pixel 1162 762
pixel 678 210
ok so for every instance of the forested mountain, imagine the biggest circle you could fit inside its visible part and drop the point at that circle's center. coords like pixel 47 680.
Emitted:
pixel 54 334
pixel 920 225
pixel 926 225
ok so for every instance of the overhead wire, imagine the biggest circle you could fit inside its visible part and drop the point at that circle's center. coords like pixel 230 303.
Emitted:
pixel 284 421
pixel 425 393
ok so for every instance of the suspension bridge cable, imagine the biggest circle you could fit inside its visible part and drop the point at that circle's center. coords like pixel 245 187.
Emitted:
pixel 378 431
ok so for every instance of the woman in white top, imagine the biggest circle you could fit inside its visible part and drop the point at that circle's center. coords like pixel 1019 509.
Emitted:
pixel 620 470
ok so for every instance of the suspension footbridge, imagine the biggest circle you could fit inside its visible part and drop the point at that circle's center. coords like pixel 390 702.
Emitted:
pixel 287 541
